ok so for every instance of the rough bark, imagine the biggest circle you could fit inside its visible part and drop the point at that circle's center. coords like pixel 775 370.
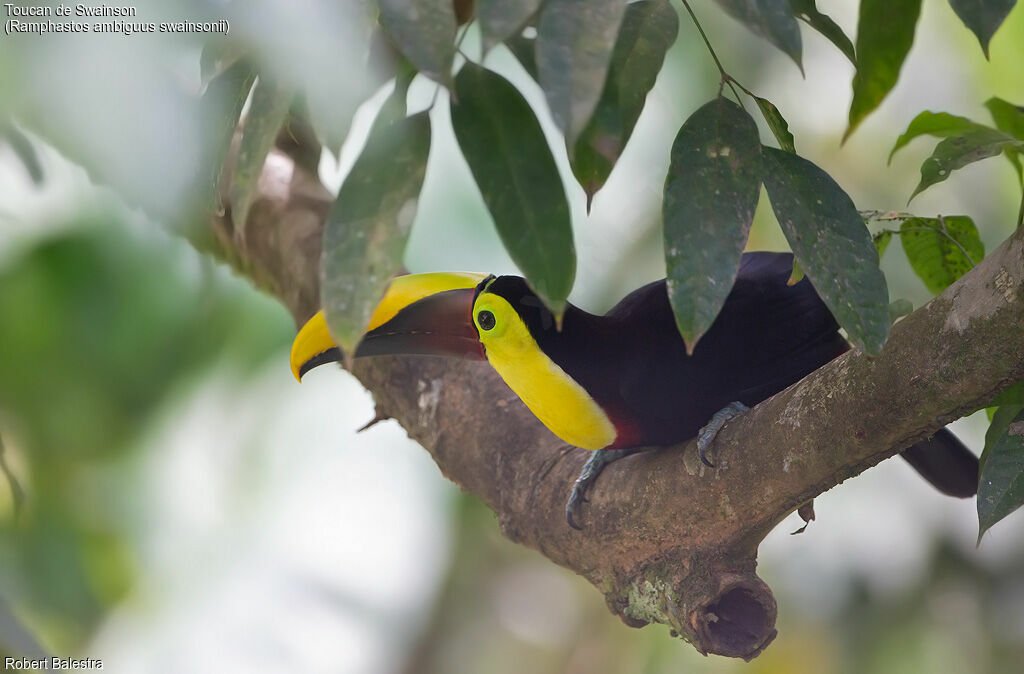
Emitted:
pixel 665 538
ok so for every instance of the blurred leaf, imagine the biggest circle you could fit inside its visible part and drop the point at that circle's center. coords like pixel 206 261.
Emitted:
pixel 885 32
pixel 332 109
pixel 882 240
pixel 298 138
pixel 833 246
pixel 771 19
pixel 369 223
pixel 808 11
pixel 1009 118
pixel 899 308
pixel 424 31
pixel 270 104
pixel 218 54
pixel 938 124
pixel 17 492
pixel 524 49
pixel 24 149
pixel 959 151
pixel 777 123
pixel 575 39
pixel 510 159
pixel 500 19
pixel 711 192
pixel 934 251
pixel 220 108
pixel 1001 487
pixel 983 17
pixel 648 30
pixel 16 637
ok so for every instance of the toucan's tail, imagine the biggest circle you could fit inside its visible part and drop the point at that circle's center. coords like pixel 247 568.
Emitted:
pixel 946 463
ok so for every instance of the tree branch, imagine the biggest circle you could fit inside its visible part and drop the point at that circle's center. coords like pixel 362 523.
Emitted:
pixel 666 539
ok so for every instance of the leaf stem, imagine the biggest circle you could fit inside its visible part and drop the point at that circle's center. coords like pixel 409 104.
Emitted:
pixel 1020 213
pixel 942 231
pixel 726 77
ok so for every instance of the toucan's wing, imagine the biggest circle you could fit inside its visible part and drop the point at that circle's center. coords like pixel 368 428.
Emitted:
pixel 767 336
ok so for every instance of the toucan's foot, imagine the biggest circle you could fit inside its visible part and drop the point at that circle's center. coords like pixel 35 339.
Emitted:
pixel 591 469
pixel 706 435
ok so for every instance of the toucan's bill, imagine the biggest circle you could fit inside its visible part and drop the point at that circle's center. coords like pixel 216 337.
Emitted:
pixel 424 314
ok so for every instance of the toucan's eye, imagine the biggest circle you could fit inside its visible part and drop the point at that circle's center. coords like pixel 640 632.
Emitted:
pixel 485 319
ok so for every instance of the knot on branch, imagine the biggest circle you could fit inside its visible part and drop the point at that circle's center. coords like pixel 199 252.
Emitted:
pixel 720 610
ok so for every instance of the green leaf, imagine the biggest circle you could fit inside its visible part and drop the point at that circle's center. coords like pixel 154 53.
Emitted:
pixel 424 30
pixel 500 19
pixel 934 251
pixel 648 30
pixel 882 240
pixel 829 239
pixel 267 111
pixel 220 107
pixel 771 19
pixel 959 151
pixel 1009 118
pixel 938 124
pixel 513 166
pixel 1001 487
pixel 777 123
pixel 983 17
pixel 575 39
pixel 711 192
pixel 369 223
pixel 524 49
pixel 1014 395
pixel 808 11
pixel 885 32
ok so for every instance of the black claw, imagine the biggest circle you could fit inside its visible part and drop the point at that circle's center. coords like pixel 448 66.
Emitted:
pixel 704 458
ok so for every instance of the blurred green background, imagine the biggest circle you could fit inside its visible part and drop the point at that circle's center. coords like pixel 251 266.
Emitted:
pixel 178 504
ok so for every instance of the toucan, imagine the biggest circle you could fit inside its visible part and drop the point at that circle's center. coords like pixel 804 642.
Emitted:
pixel 624 382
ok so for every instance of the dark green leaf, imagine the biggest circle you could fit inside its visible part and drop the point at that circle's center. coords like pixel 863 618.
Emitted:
pixel 1014 395
pixel 517 176
pixel 369 223
pixel 983 17
pixel 771 19
pixel 882 240
pixel 648 30
pixel 808 11
pixel 267 112
pixel 500 19
pixel 1001 487
pixel 524 49
pixel 885 31
pixel 959 151
pixel 936 251
pixel 220 108
pixel 832 244
pixel 575 39
pixel 1010 119
pixel 24 149
pixel 999 423
pixel 424 30
pixel 777 123
pixel 710 195
pixel 938 124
